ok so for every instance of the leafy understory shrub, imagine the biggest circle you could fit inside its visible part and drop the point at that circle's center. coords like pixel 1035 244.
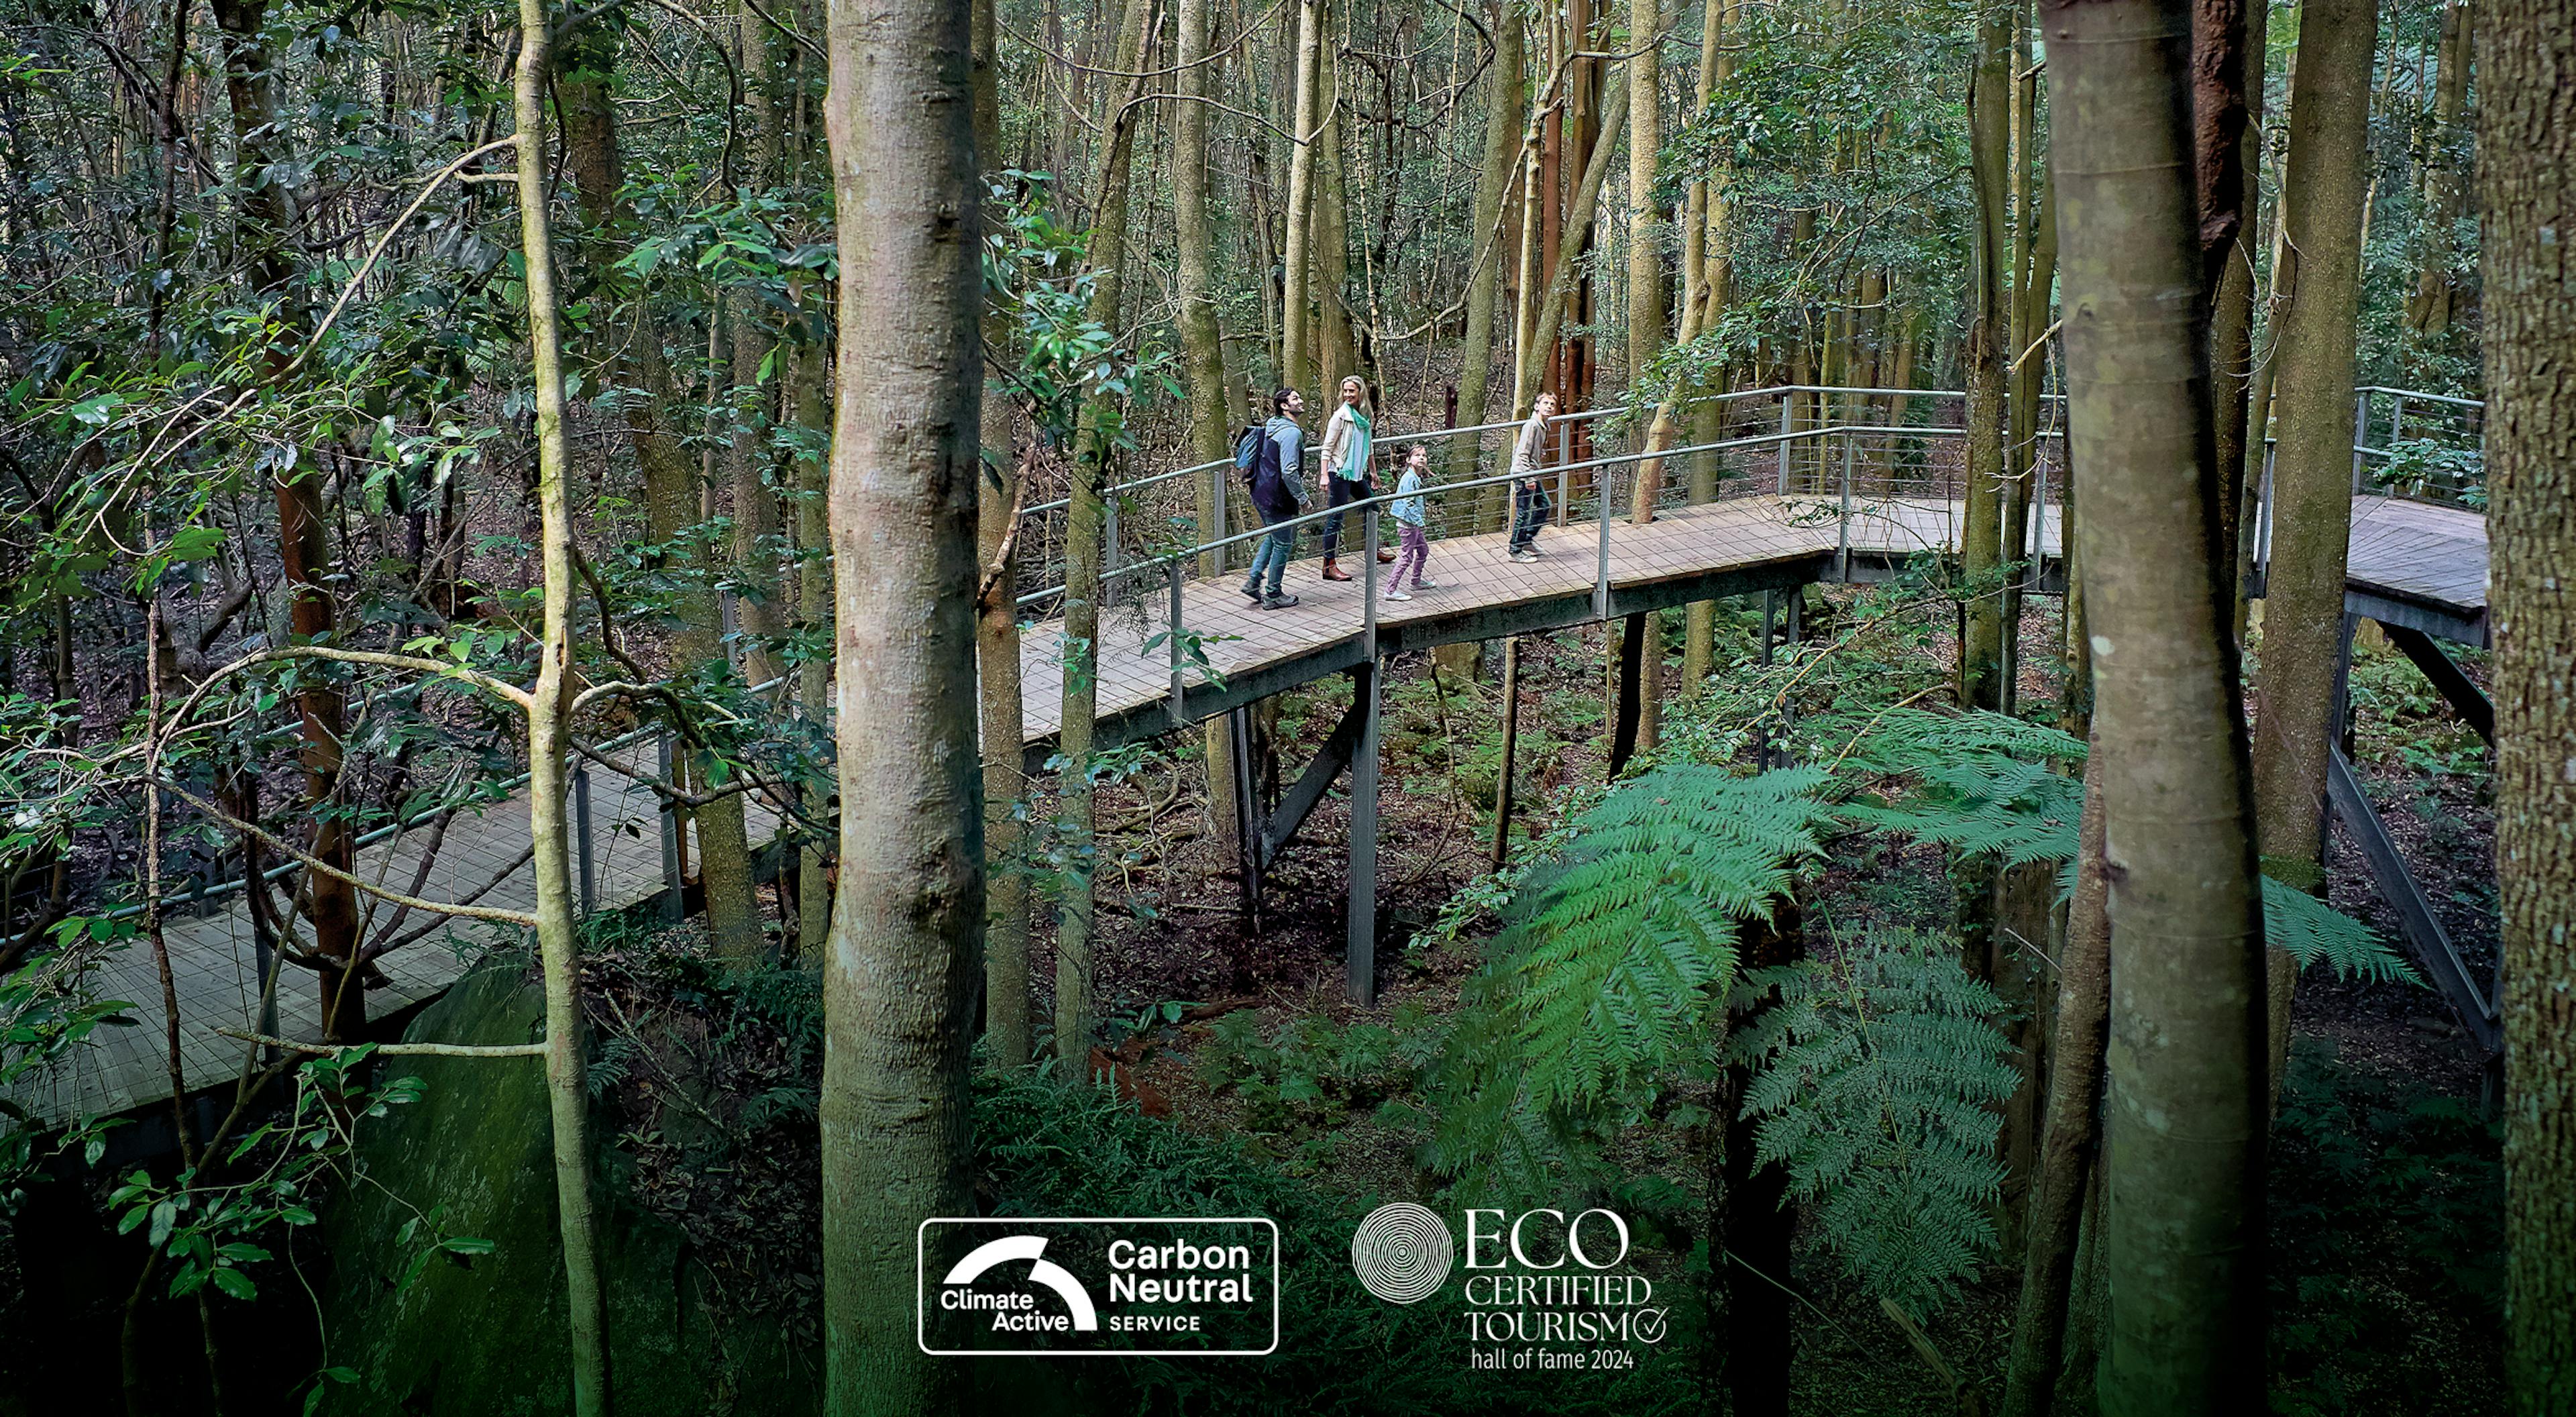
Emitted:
pixel 1877 1073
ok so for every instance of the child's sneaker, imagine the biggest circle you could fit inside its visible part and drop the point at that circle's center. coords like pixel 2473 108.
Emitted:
pixel 1420 584
pixel 1397 595
pixel 1524 556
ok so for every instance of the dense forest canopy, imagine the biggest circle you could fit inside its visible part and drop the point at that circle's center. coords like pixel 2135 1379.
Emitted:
pixel 627 674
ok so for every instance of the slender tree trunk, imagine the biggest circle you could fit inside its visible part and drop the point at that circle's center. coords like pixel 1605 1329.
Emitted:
pixel 1644 632
pixel 761 613
pixel 1761 1331
pixel 2187 1093
pixel 2527 182
pixel 269 204
pixel 1503 105
pixel 558 940
pixel 2429 310
pixel 1981 548
pixel 2073 1112
pixel 997 640
pixel 1093 441
pixel 900 976
pixel 1296 328
pixel 2231 319
pixel 2322 196
pixel 1561 280
pixel 1708 270
pixel 809 377
pixel 671 476
pixel 1203 343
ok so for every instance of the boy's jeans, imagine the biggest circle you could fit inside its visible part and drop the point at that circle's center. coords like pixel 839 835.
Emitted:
pixel 1530 508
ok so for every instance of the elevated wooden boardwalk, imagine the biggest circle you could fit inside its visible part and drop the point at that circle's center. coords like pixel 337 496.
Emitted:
pixel 2429 557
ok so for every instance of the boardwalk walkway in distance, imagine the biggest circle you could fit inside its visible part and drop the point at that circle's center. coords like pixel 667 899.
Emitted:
pixel 1856 501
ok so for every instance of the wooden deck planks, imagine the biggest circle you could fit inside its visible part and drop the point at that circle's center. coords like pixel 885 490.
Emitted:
pixel 2431 553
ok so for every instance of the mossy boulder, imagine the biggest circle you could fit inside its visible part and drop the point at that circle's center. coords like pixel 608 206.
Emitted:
pixel 484 1335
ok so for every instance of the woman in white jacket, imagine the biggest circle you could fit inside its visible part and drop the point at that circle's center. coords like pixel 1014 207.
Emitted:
pixel 1345 450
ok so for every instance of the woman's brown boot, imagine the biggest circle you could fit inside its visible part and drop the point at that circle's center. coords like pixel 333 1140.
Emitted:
pixel 1333 570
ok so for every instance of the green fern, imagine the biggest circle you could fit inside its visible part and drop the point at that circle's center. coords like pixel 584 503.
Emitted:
pixel 1612 954
pixel 1877 1073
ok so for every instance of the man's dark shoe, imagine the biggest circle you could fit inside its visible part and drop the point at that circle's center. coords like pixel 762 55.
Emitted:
pixel 1278 602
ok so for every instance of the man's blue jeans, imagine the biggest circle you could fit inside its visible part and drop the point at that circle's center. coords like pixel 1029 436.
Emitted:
pixel 1272 553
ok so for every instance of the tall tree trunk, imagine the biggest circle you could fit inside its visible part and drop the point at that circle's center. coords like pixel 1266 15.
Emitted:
pixel 1503 105
pixel 2187 1093
pixel 1561 279
pixel 1296 328
pixel 900 977
pixel 2067 1151
pixel 1336 347
pixel 1204 345
pixel 1761 1332
pixel 1641 640
pixel 2322 198
pixel 1093 443
pixel 558 939
pixel 1708 272
pixel 1981 548
pixel 2231 318
pixel 809 376
pixel 2527 182
pixel 269 202
pixel 997 639
pixel 761 613
pixel 671 477
pixel 2429 310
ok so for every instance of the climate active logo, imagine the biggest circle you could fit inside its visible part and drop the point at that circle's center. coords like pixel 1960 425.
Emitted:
pixel 1134 1285
pixel 1018 1311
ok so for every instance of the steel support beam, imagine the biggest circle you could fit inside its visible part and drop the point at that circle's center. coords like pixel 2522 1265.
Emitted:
pixel 1360 947
pixel 2455 687
pixel 2425 938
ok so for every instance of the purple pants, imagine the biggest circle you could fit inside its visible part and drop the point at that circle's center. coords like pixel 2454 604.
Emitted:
pixel 1416 550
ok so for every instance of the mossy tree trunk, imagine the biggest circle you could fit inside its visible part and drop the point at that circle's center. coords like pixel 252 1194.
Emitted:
pixel 1202 342
pixel 2323 198
pixel 2527 181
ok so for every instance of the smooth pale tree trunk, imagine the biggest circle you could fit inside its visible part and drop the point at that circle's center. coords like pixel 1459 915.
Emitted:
pixel 1503 105
pixel 1981 548
pixel 2187 1098
pixel 1094 435
pixel 1641 639
pixel 549 731
pixel 1202 342
pixel 2527 187
pixel 902 969
pixel 1707 276
pixel 2071 1141
pixel 671 476
pixel 1296 328
pixel 1336 345
pixel 2186 1065
pixel 997 646
pixel 2323 194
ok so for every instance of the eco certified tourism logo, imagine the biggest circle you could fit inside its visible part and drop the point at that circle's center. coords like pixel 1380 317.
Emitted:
pixel 1140 1286
pixel 1542 1289
pixel 1401 1252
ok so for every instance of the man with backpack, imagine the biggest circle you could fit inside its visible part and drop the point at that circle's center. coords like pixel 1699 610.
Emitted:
pixel 1270 459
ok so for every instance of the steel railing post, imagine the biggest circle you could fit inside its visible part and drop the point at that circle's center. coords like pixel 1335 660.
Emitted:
pixel 1216 507
pixel 1601 553
pixel 1177 579
pixel 1788 414
pixel 1842 541
pixel 1368 578
pixel 2360 434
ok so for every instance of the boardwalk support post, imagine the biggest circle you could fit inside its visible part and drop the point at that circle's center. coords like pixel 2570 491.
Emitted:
pixel 581 831
pixel 1361 948
pixel 1247 821
pixel 1180 716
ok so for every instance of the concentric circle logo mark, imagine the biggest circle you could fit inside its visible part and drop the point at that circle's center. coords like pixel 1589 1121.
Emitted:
pixel 1401 1252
